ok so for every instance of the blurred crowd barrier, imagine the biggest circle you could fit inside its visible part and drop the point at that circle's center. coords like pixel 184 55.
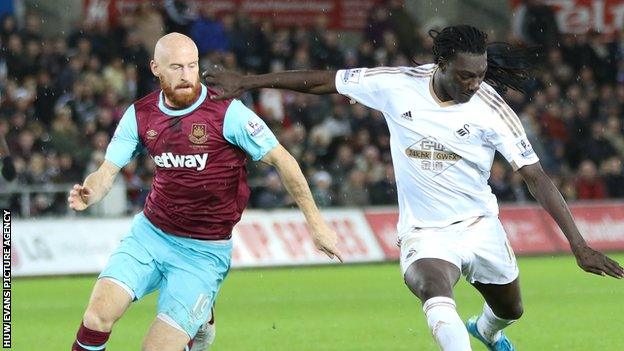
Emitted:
pixel 281 237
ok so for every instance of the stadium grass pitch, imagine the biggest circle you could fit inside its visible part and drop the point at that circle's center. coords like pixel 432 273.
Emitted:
pixel 351 307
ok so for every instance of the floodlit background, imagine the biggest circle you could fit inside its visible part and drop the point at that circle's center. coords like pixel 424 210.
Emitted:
pixel 70 68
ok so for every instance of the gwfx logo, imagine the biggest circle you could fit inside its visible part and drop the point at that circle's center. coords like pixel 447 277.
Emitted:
pixel 433 156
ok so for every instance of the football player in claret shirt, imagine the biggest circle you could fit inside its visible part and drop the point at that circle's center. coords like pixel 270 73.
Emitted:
pixel 446 122
pixel 181 243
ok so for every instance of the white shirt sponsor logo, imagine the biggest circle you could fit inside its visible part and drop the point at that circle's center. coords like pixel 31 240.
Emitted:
pixel 169 160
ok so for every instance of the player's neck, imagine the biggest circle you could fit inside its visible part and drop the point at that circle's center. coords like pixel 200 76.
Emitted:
pixel 438 90
pixel 170 105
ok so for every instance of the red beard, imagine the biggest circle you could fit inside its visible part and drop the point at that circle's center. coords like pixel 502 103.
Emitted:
pixel 179 98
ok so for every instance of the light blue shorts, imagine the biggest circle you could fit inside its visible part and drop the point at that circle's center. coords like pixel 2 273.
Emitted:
pixel 188 272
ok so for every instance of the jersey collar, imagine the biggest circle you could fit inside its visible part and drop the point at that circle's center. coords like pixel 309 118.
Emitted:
pixel 170 112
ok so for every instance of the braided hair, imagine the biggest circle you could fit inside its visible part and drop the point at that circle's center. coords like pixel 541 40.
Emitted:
pixel 508 66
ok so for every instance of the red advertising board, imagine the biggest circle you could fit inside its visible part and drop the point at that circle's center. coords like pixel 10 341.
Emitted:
pixel 383 223
pixel 340 14
pixel 601 225
pixel 580 16
pixel 283 238
pixel 529 228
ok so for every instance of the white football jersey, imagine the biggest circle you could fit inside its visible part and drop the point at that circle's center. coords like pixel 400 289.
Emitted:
pixel 442 152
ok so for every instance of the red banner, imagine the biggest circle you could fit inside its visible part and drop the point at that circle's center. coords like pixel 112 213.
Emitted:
pixel 580 16
pixel 340 14
pixel 383 223
pixel 529 228
pixel 282 238
pixel 601 225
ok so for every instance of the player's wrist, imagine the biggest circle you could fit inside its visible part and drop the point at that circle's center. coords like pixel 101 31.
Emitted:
pixel 578 246
pixel 251 82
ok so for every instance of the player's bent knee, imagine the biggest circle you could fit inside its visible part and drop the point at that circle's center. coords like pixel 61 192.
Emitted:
pixel 96 321
pixel 426 288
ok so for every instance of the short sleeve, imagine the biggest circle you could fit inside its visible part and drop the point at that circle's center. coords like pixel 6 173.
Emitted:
pixel 507 134
pixel 516 150
pixel 125 143
pixel 243 128
pixel 363 85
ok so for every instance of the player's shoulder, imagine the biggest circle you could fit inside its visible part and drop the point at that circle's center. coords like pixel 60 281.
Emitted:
pixel 148 101
pixel 504 118
pixel 488 94
pixel 398 72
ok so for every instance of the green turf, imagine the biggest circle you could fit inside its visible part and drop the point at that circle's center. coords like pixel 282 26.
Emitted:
pixel 357 307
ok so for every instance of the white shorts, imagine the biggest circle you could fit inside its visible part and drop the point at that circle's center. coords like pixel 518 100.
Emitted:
pixel 477 246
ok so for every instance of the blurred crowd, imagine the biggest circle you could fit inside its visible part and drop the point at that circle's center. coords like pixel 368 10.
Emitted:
pixel 61 99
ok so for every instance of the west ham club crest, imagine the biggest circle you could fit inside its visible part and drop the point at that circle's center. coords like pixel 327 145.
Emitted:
pixel 198 134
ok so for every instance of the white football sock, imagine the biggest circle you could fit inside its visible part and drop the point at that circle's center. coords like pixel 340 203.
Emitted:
pixel 447 328
pixel 490 326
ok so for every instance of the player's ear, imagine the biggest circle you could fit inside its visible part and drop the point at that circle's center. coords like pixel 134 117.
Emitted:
pixel 154 68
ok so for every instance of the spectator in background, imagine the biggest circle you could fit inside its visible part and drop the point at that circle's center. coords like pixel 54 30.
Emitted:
pixel 404 27
pixel 26 144
pixel 13 56
pixel 114 75
pixel 589 185
pixel 69 172
pixel 353 192
pixel 596 147
pixel 337 123
pixel 377 25
pixel 383 192
pixel 64 135
pixel 8 26
pixel 321 189
pixel 32 27
pixel 149 23
pixel 135 53
pixel 208 32
pixel 180 15
pixel 614 134
pixel 328 54
pixel 7 167
pixel 612 170
pixel 535 23
pixel 135 187
pixel 273 194
pixel 499 183
pixel 342 164
pixel 519 188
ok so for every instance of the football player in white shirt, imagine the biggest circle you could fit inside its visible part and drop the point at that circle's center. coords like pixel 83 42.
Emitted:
pixel 446 122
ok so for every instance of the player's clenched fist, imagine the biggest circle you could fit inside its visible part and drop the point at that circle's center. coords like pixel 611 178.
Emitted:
pixel 79 197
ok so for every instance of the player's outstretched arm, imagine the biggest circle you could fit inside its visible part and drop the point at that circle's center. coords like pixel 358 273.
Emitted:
pixel 234 84
pixel 550 198
pixel 94 188
pixel 324 237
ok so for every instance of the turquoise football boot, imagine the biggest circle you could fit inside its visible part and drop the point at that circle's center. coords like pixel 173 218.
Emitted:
pixel 502 344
